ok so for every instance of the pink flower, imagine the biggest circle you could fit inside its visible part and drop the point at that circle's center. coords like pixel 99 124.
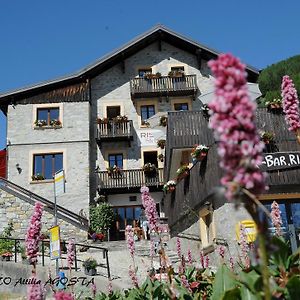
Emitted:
pixel 132 275
pixel 130 240
pixel 190 258
pixel 290 103
pixel 276 218
pixel 202 259
pixel 185 283
pixel 110 288
pixel 178 247
pixel 35 291
pixel 239 147
pixel 94 289
pixel 231 263
pixel 206 261
pixel 70 253
pixel 245 249
pixel 150 208
pixel 222 252
pixel 33 233
pixel 63 296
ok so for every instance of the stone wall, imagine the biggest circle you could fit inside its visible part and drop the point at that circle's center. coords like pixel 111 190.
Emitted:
pixel 19 212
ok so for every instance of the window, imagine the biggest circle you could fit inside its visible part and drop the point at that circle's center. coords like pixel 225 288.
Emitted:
pixel 147 111
pixel 113 112
pixel 115 160
pixel 181 106
pixel 47 117
pixel 177 69
pixel 144 71
pixel 45 165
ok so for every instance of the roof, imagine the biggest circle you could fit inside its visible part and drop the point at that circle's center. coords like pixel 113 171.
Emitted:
pixel 158 32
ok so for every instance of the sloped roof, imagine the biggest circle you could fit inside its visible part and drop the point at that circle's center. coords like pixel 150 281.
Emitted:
pixel 158 32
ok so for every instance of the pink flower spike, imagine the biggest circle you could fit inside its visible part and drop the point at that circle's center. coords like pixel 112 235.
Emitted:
pixel 63 296
pixel 190 258
pixel 291 105
pixel 33 234
pixel 178 247
pixel 276 218
pixel 130 240
pixel 245 249
pixel 35 291
pixel 70 253
pixel 222 252
pixel 133 277
pixel 150 208
pixel 234 128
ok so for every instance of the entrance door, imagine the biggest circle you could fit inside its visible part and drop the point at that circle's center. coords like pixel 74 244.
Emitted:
pixel 125 215
pixel 290 214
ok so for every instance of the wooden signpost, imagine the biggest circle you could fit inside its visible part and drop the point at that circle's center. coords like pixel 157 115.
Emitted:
pixel 280 161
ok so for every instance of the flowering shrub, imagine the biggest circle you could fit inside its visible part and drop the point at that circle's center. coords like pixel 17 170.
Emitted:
pixel 102 121
pixel 169 186
pixel 161 144
pixel 199 152
pixel 163 121
pixel 150 170
pixel 55 122
pixel 120 119
pixel 267 137
pixel 275 104
pixel 37 176
pixel 114 171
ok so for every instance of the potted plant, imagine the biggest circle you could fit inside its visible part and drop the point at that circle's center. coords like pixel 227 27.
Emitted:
pixel 182 172
pixel 114 172
pixel 205 111
pixel 170 186
pixel 161 143
pixel 163 121
pixel 120 119
pixel 176 73
pixel 274 105
pixel 40 123
pixel 102 121
pixel 151 75
pixel 101 218
pixel 160 157
pixel 55 123
pixel 199 152
pixel 145 123
pixel 37 176
pixel 267 137
pixel 6 256
pixel 149 170
pixel 90 266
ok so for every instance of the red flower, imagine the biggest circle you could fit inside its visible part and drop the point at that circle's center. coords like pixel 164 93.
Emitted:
pixel 194 285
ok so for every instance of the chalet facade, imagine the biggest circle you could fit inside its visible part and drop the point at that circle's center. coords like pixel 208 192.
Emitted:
pixel 197 209
pixel 103 124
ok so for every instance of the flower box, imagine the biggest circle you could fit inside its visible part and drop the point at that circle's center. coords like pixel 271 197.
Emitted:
pixel 102 121
pixel 6 256
pixel 37 177
pixel 275 105
pixel 150 170
pixel 182 172
pixel 161 144
pixel 40 123
pixel 177 73
pixel 199 152
pixel 170 186
pixel 120 119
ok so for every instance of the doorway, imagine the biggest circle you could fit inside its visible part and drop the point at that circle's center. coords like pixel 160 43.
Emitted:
pixel 113 112
pixel 151 157
pixel 290 215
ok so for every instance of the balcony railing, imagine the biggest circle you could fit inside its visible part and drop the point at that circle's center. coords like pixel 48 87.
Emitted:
pixel 114 131
pixel 163 86
pixel 128 179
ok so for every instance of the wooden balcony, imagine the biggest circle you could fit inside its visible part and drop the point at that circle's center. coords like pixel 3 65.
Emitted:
pixel 163 86
pixel 114 131
pixel 129 180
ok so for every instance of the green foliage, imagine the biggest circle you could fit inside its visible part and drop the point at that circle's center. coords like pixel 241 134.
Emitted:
pixel 270 78
pixel 90 263
pixel 7 245
pixel 101 217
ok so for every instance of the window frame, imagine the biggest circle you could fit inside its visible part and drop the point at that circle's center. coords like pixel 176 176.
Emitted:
pixel 43 154
pixel 48 106
pixel 181 103
pixel 147 106
pixel 115 160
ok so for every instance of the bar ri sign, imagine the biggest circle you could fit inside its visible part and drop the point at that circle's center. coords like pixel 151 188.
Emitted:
pixel 280 160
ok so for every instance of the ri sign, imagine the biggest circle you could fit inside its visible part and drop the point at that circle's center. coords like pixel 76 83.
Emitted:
pixel 280 161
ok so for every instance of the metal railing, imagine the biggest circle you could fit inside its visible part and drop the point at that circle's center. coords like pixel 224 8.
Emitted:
pixel 45 243
pixel 30 197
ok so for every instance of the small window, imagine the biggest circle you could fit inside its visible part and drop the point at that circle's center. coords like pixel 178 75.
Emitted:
pixel 177 69
pixel 113 112
pixel 143 72
pixel 181 106
pixel 45 165
pixel 115 160
pixel 147 111
pixel 47 117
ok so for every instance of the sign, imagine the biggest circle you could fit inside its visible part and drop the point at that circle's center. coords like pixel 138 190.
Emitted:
pixel 250 230
pixel 150 137
pixel 280 160
pixel 54 242
pixel 59 182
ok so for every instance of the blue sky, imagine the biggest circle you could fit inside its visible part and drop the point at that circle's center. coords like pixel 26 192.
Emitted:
pixel 42 40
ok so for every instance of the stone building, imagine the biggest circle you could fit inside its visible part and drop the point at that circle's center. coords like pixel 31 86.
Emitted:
pixel 102 124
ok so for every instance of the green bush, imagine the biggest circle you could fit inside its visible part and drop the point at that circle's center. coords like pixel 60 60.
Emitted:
pixel 101 217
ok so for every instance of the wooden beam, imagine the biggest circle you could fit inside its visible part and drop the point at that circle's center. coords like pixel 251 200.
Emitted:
pixel 199 56
pixel 267 197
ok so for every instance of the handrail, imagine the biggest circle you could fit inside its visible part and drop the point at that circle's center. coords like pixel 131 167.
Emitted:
pixel 112 129
pixel 50 205
pixel 105 252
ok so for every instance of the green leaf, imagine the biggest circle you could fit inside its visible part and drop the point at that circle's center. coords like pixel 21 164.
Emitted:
pixel 293 288
pixel 224 281
pixel 251 281
pixel 233 294
pixel 246 294
pixel 280 257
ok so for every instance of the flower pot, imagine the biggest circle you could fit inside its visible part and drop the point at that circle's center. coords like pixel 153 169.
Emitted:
pixel 90 272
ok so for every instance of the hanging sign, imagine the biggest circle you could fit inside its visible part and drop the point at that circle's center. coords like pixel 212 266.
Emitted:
pixel 280 160
pixel 54 242
pixel 150 137
pixel 59 181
